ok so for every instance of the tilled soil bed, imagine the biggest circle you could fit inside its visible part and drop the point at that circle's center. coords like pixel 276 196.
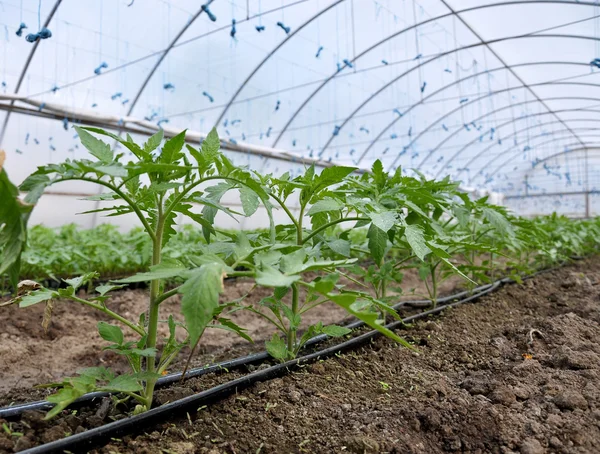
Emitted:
pixel 517 372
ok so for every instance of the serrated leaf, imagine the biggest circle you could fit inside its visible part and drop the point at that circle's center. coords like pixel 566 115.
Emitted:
pixel 154 141
pixel 377 242
pixel 341 247
pixel 171 151
pixel 14 215
pixel 294 262
pixel 249 199
pixel 162 271
pixel 201 298
pixel 325 205
pixel 384 220
pixel 36 297
pixel 110 333
pixel 335 330
pixel 416 240
pixel 96 147
pixel 210 146
pixel 113 170
pixel 122 384
pixel 228 325
pixel 77 282
pixel 104 289
pixel 276 347
pixel 500 223
pixel 271 277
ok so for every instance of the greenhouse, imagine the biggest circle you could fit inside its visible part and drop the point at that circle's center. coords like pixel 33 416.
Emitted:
pixel 355 225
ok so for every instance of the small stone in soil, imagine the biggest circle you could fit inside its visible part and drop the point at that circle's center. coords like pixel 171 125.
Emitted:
pixel 570 400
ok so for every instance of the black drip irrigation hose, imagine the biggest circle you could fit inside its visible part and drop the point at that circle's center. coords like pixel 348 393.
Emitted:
pixel 236 363
pixel 94 437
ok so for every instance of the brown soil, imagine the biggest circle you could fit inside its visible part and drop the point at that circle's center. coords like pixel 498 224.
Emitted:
pixel 517 372
pixel 72 341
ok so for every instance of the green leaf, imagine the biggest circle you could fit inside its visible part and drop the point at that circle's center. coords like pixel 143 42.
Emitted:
pixel 276 347
pixel 226 324
pixel 37 296
pixel 414 236
pixel 332 175
pixel 110 333
pixel 500 223
pixel 154 141
pixel 377 242
pixel 171 151
pixel 201 298
pixel 104 289
pixel 62 399
pixel 112 170
pixel 162 271
pixel 250 200
pixel 294 262
pixel 77 282
pixel 347 301
pixel 122 384
pixel 129 144
pixel 336 331
pixel 14 215
pixel 96 147
pixel 384 220
pixel 378 174
pixel 210 146
pixel 270 277
pixel 339 246
pixel 324 205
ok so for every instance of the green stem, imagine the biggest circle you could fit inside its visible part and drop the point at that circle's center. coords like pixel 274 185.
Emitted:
pixel 110 313
pixel 165 295
pixel 434 286
pixel 154 307
pixel 287 211
pixel 331 224
pixel 292 333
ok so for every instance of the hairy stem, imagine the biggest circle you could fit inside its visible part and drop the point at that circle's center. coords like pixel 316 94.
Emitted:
pixel 111 314
pixel 154 306
pixel 331 224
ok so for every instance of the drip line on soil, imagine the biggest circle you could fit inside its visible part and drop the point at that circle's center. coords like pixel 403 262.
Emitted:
pixel 94 437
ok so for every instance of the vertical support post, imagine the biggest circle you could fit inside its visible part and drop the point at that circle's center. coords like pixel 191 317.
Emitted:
pixel 587 186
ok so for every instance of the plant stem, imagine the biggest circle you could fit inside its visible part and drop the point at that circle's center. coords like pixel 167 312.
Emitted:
pixel 166 295
pixel 292 332
pixel 434 285
pixel 110 313
pixel 331 224
pixel 154 307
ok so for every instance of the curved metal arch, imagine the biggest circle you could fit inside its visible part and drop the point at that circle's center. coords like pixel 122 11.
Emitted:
pixel 564 152
pixel 443 117
pixel 270 54
pixel 512 155
pixel 163 56
pixel 591 146
pixel 510 106
pixel 496 155
pixel 422 101
pixel 539 145
pixel 514 120
pixel 26 67
pixel 469 46
pixel 407 29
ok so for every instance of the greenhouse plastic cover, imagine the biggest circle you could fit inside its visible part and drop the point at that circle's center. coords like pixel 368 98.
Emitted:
pixel 502 95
